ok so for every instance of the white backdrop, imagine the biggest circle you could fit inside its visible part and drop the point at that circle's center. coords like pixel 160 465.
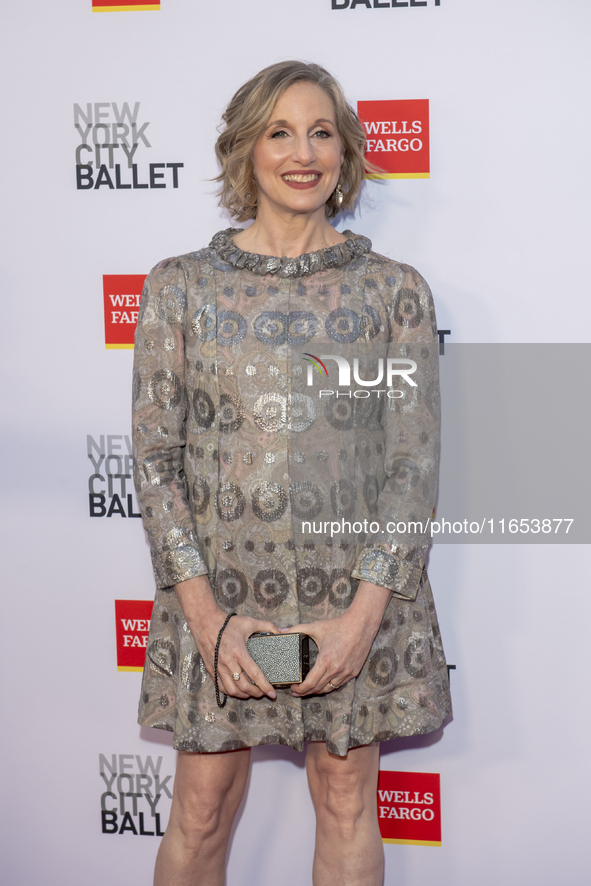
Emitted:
pixel 500 231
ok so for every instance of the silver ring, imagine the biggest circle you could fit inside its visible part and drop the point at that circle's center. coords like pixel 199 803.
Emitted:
pixel 330 683
pixel 236 676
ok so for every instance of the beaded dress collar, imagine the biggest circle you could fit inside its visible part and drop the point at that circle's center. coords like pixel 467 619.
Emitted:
pixel 331 257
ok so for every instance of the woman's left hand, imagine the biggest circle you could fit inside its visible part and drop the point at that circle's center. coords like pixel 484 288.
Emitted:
pixel 343 642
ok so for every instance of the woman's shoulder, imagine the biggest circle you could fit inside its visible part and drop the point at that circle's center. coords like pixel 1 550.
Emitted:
pixel 394 272
pixel 402 289
pixel 186 263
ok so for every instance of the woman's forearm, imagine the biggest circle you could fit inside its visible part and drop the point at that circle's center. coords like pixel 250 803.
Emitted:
pixel 369 605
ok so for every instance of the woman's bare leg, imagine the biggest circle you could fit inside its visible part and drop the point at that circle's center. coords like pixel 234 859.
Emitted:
pixel 207 792
pixel 349 849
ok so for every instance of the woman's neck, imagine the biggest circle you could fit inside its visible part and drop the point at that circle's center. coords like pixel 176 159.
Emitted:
pixel 290 236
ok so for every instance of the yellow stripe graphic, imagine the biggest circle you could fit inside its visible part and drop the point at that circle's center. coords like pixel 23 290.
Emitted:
pixel 117 347
pixel 400 175
pixel 129 669
pixel 147 7
pixel 413 842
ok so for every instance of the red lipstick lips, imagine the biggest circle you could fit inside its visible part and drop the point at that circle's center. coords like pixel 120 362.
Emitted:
pixel 301 179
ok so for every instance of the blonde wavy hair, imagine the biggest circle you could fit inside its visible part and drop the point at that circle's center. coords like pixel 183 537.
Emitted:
pixel 246 118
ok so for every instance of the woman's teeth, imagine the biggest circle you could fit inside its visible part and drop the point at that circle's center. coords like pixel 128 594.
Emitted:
pixel 300 178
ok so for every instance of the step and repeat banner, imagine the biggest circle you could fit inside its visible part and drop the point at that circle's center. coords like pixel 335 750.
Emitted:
pixel 474 112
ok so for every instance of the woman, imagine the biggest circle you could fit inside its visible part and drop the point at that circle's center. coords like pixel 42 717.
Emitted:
pixel 234 450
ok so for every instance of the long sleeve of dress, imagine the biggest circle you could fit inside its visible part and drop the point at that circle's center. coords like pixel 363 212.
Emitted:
pixel 394 557
pixel 160 409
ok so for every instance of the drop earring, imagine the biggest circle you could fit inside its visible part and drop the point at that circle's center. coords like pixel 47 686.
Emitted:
pixel 338 196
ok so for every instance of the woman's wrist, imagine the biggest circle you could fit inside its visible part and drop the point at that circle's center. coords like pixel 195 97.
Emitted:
pixel 369 605
pixel 197 600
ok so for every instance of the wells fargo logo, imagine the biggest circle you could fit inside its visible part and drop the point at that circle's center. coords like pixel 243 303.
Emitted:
pixel 132 619
pixel 122 294
pixel 397 137
pixel 409 808
pixel 117 6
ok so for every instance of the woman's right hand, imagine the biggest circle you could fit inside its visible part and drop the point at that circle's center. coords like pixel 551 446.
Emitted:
pixel 205 619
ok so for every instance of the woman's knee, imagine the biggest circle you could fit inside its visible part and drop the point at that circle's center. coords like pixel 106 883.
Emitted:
pixel 207 793
pixel 343 789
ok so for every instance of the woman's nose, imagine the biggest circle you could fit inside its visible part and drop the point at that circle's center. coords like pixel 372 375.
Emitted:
pixel 303 150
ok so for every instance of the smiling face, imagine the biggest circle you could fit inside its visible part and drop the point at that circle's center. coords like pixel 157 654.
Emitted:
pixel 297 160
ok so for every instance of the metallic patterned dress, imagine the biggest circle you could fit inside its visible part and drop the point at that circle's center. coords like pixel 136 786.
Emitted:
pixel 288 483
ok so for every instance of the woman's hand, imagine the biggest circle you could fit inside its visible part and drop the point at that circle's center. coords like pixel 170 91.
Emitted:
pixel 205 619
pixel 343 642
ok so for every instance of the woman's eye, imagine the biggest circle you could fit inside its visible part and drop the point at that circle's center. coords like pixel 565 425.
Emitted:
pixel 279 134
pixel 322 133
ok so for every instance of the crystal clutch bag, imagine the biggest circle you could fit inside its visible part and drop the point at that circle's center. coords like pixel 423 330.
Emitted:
pixel 283 658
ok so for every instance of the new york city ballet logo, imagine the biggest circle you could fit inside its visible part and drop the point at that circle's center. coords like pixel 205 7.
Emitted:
pixel 386 372
pixel 397 137
pixel 135 795
pixel 132 626
pixel 409 807
pixel 110 484
pixel 117 6
pixel 122 294
pixel 112 150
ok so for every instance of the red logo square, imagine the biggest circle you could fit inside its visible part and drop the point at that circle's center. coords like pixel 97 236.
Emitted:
pixel 409 807
pixel 397 137
pixel 132 621
pixel 122 295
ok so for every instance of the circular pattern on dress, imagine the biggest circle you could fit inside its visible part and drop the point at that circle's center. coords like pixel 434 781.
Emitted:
pixel 203 409
pixel 306 499
pixel 301 412
pixel 201 495
pixel 302 327
pixel 270 328
pixel 382 666
pixel 416 657
pixel 270 411
pixel 370 322
pixel 312 584
pixel 171 303
pixel 204 323
pixel 371 490
pixel 270 588
pixel 165 389
pixel 269 501
pixel 366 411
pixel 231 328
pixel 231 588
pixel 230 502
pixel 405 475
pixel 342 588
pixel 342 498
pixel 343 325
pixel 408 311
pixel 339 413
pixel 231 413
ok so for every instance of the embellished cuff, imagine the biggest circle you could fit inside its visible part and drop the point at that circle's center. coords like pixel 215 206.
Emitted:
pixel 178 563
pixel 398 568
